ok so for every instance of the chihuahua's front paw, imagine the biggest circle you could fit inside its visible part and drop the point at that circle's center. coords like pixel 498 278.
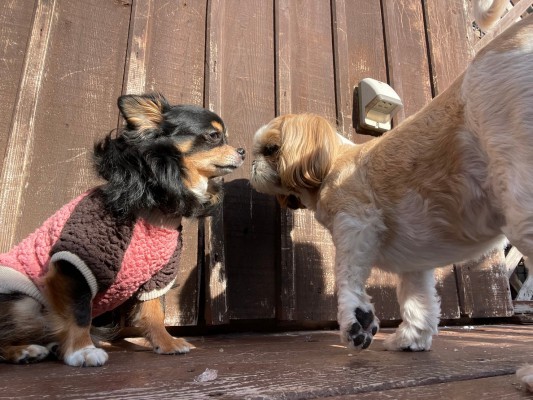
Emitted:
pixel 173 346
pixel 361 331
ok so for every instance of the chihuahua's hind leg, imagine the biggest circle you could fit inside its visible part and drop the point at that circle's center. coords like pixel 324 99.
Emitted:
pixel 69 296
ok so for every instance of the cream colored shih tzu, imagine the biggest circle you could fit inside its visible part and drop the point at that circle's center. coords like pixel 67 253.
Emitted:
pixel 447 185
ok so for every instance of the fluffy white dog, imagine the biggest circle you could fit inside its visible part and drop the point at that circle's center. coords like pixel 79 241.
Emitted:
pixel 448 184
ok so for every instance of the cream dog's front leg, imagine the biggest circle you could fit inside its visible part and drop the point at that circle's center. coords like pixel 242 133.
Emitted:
pixel 356 243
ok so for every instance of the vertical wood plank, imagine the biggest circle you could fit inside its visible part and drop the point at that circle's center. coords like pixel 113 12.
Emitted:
pixel 15 29
pixel 21 137
pixel 166 53
pixel 67 100
pixel 216 283
pixel 135 70
pixel 484 287
pixel 359 53
pixel 449 31
pixel 483 291
pixel 306 83
pixel 241 83
pixel 407 55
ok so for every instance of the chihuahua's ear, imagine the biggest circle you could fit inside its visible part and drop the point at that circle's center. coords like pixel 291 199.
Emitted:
pixel 143 111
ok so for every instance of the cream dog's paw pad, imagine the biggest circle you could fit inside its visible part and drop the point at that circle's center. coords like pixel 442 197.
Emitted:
pixel 363 330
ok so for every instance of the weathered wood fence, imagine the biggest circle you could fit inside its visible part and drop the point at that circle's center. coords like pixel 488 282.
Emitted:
pixel 65 62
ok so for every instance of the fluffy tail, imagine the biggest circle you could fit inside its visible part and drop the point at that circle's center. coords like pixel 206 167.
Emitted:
pixel 487 12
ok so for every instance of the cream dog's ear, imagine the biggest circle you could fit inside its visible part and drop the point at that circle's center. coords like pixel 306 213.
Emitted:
pixel 308 147
pixel 290 201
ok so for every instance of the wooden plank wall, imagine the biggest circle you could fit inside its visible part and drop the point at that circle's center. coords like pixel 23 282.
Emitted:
pixel 249 61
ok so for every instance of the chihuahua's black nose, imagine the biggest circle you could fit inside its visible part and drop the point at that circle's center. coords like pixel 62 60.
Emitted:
pixel 241 151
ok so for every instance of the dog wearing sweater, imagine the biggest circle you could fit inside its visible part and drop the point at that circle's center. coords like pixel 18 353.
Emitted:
pixel 119 240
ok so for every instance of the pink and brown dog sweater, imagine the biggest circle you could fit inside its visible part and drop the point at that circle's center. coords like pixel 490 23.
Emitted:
pixel 117 258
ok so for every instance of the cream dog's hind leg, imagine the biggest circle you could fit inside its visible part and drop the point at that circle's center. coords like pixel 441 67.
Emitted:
pixel 420 310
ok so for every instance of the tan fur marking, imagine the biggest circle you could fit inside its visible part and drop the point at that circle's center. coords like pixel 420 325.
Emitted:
pixel 74 337
pixel 203 164
pixel 185 147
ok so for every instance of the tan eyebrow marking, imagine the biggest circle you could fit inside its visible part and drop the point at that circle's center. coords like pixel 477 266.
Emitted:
pixel 185 147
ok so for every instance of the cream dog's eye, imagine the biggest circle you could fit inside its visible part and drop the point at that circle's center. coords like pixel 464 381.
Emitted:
pixel 270 149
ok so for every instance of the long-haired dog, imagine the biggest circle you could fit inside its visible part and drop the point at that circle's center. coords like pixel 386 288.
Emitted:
pixel 446 185
pixel 116 241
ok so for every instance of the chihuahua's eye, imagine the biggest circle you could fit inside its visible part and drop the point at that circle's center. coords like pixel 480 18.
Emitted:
pixel 215 135
pixel 270 149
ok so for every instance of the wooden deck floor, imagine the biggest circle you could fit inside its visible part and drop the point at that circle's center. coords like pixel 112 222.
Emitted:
pixel 465 363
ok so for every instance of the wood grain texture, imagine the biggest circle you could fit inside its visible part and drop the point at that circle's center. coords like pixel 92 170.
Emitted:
pixel 407 57
pixel 138 46
pixel 289 366
pixel 15 29
pixel 502 387
pixel 484 287
pixel 20 145
pixel 450 40
pixel 71 81
pixel 306 83
pixel 216 307
pixel 241 90
pixel 359 52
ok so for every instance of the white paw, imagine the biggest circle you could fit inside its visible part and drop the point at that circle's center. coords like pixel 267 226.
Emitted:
pixel 89 356
pixel 32 353
pixel 408 338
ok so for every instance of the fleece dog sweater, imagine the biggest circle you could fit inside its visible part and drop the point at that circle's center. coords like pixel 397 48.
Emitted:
pixel 117 258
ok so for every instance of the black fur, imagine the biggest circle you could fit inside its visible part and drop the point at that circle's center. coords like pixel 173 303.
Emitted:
pixel 144 169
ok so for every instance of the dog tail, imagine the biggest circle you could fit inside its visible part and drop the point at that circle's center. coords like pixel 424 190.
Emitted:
pixel 487 12
pixel 22 321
